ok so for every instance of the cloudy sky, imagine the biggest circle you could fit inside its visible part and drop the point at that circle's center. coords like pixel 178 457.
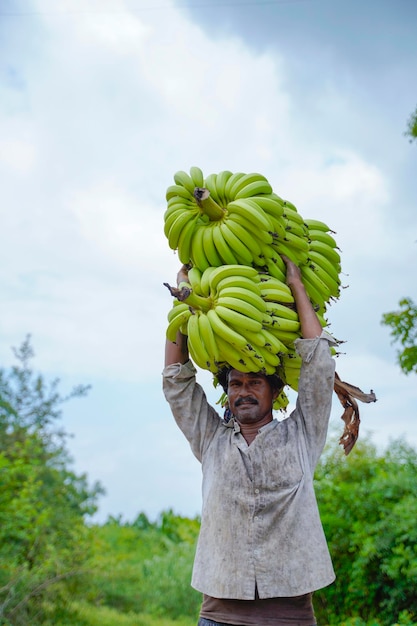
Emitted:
pixel 101 101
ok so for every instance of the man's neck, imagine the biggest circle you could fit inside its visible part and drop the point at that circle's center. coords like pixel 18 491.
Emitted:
pixel 249 431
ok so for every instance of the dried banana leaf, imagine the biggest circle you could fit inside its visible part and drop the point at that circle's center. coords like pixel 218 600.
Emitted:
pixel 348 394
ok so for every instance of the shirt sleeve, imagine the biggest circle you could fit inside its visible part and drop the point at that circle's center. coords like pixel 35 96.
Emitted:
pixel 195 417
pixel 315 391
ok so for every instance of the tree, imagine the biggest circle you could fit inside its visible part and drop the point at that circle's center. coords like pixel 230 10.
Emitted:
pixel 411 131
pixel 403 325
pixel 368 508
pixel 43 504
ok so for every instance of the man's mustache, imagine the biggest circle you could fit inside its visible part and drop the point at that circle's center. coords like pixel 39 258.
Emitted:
pixel 245 401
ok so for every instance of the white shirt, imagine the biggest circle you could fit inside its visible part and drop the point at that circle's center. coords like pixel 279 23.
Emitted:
pixel 260 523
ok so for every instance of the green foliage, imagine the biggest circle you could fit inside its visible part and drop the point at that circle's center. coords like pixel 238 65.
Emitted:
pixel 58 570
pixel 84 614
pixel 403 325
pixel 44 541
pixel 368 508
pixel 411 131
pixel 145 567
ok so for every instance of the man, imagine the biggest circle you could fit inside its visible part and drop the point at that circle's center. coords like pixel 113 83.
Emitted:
pixel 261 551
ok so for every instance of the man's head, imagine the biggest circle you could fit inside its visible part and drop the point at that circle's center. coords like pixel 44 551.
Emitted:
pixel 250 395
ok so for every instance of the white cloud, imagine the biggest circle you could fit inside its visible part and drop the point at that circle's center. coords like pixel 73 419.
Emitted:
pixel 17 155
pixel 116 102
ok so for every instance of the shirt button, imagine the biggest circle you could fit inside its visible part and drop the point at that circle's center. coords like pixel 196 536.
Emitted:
pixel 256 518
pixel 256 490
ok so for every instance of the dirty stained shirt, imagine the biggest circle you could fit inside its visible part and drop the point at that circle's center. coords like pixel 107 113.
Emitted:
pixel 260 525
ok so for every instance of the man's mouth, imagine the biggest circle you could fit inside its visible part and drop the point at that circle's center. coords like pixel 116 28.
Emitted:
pixel 246 401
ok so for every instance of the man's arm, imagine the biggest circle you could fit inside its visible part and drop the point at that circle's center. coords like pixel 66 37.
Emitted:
pixel 177 352
pixel 310 324
pixel 316 382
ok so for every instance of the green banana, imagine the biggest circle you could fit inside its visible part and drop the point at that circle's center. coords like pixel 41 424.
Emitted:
pixel 287 337
pixel 225 252
pixel 326 238
pixel 275 270
pixel 221 180
pixel 222 329
pixel 277 295
pixel 251 211
pixel 260 233
pixel 317 225
pixel 333 269
pixel 278 227
pixel 243 282
pixel 177 309
pixel 196 346
pixel 208 337
pixel 184 241
pixel 241 306
pixel 270 204
pixel 292 214
pixel 237 246
pixel 269 357
pixel 317 298
pixel 181 204
pixel 175 324
pixel 179 191
pixel 284 324
pixel 245 236
pixel 197 176
pixel 273 343
pixel 244 181
pixel 332 284
pixel 299 242
pixel 205 281
pixel 170 219
pixel 238 321
pixel 210 184
pixel 183 179
pixel 292 376
pixel 298 230
pixel 209 248
pixel 255 188
pixel 194 278
pixel 198 257
pixel 232 356
pixel 176 228
pixel 245 294
pixel 229 184
pixel 312 278
pixel 297 256
pixel 276 290
pixel 224 271
pixel 255 339
pixel 327 251
pixel 281 310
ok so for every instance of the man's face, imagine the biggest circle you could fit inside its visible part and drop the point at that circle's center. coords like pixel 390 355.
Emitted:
pixel 250 397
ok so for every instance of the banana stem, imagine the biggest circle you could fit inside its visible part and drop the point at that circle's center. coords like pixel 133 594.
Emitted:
pixel 184 293
pixel 209 206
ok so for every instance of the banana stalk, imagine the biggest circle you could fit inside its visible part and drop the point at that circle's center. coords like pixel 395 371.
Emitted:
pixel 209 206
pixel 185 293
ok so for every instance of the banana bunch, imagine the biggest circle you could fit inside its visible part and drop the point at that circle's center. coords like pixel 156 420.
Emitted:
pixel 231 230
pixel 321 271
pixel 220 219
pixel 235 218
pixel 235 316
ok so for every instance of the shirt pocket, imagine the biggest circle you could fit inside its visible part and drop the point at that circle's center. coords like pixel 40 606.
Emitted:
pixel 281 466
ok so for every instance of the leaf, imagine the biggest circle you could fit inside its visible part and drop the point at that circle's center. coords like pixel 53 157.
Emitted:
pixel 348 394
